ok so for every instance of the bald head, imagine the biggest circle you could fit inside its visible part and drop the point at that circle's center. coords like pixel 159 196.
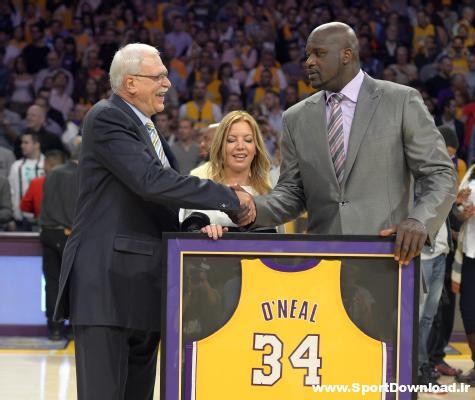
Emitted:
pixel 343 35
pixel 333 56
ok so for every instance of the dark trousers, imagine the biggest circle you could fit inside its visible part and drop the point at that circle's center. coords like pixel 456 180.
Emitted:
pixel 53 242
pixel 444 320
pixel 467 294
pixel 115 363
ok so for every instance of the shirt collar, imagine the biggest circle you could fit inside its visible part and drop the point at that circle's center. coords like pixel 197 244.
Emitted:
pixel 352 88
pixel 143 118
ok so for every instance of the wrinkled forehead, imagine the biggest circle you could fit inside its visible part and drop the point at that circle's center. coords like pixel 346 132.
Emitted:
pixel 322 39
pixel 153 63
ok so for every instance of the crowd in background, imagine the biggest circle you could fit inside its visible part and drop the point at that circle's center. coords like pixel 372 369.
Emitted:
pixel 221 56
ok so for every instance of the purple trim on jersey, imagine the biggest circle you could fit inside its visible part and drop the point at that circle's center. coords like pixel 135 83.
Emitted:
pixel 389 369
pixel 188 369
pixel 407 330
pixel 309 264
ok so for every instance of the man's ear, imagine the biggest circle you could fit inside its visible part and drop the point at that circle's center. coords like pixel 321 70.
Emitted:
pixel 130 84
pixel 347 56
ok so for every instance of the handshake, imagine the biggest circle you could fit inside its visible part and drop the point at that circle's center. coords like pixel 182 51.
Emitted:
pixel 199 221
pixel 246 215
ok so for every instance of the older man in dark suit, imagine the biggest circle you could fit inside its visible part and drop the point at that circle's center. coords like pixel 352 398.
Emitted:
pixel 129 193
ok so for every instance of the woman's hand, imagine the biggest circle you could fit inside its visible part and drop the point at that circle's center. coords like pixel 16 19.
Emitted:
pixel 214 231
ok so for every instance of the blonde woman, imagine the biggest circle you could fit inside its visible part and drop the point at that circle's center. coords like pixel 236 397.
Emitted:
pixel 237 157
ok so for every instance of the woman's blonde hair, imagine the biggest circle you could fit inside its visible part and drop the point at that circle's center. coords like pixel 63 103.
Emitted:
pixel 260 165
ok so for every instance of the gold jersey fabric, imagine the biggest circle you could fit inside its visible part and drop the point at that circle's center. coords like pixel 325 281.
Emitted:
pixel 290 331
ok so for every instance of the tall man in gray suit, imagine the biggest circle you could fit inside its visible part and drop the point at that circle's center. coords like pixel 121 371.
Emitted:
pixel 129 193
pixel 352 151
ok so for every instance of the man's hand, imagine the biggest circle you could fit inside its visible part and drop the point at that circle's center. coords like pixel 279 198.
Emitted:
pixel 410 238
pixel 247 213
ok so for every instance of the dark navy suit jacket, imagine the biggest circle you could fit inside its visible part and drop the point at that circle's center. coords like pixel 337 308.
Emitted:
pixel 111 272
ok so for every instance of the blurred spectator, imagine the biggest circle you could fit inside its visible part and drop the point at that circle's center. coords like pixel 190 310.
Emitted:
pixel 35 124
pixel 54 121
pixel 256 92
pixel 369 63
pixel 4 72
pixel 22 173
pixel 291 96
pixel 267 62
pixel 269 136
pixel 31 201
pixel 54 66
pixel 447 118
pixel 467 22
pixel 425 57
pixel 91 69
pixel 180 39
pixel 448 17
pixel 272 110
pixel 21 87
pixel 6 210
pixel 15 45
pixel 80 36
pixel 470 76
pixel 205 139
pixel 162 124
pixel 452 143
pixel 89 94
pixel 293 68
pixel 56 219
pixel 242 56
pixel 422 29
pixel 387 53
pixel 227 83
pixel 185 149
pixel 72 134
pixel 36 52
pixel 7 158
pixel 59 99
pixel 10 124
pixel 108 48
pixel 442 79
pixel 234 102
pixel 200 110
pixel 458 53
pixel 405 70
pixel 457 83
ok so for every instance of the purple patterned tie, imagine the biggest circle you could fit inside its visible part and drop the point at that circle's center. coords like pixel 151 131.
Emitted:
pixel 335 135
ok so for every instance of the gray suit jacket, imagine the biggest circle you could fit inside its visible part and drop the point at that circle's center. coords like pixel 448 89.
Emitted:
pixel 393 140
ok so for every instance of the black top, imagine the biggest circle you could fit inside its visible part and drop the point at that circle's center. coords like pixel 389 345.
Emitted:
pixel 59 196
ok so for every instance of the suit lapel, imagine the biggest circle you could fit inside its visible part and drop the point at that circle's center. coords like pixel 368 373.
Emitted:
pixel 168 152
pixel 141 127
pixel 368 100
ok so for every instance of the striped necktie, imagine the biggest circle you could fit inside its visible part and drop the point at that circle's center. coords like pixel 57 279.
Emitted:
pixel 335 135
pixel 157 144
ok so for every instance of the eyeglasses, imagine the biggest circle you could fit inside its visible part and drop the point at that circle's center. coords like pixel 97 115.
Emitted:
pixel 155 78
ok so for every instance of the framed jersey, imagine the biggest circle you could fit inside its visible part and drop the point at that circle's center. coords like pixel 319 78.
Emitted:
pixel 278 317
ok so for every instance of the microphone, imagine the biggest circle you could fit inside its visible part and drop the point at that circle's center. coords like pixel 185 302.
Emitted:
pixel 194 222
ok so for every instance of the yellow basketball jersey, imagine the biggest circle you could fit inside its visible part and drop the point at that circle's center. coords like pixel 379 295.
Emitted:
pixel 289 333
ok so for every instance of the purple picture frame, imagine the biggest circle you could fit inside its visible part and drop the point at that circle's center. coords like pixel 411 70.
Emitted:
pixel 178 245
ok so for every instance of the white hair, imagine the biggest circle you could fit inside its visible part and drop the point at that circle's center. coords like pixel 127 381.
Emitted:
pixel 127 60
